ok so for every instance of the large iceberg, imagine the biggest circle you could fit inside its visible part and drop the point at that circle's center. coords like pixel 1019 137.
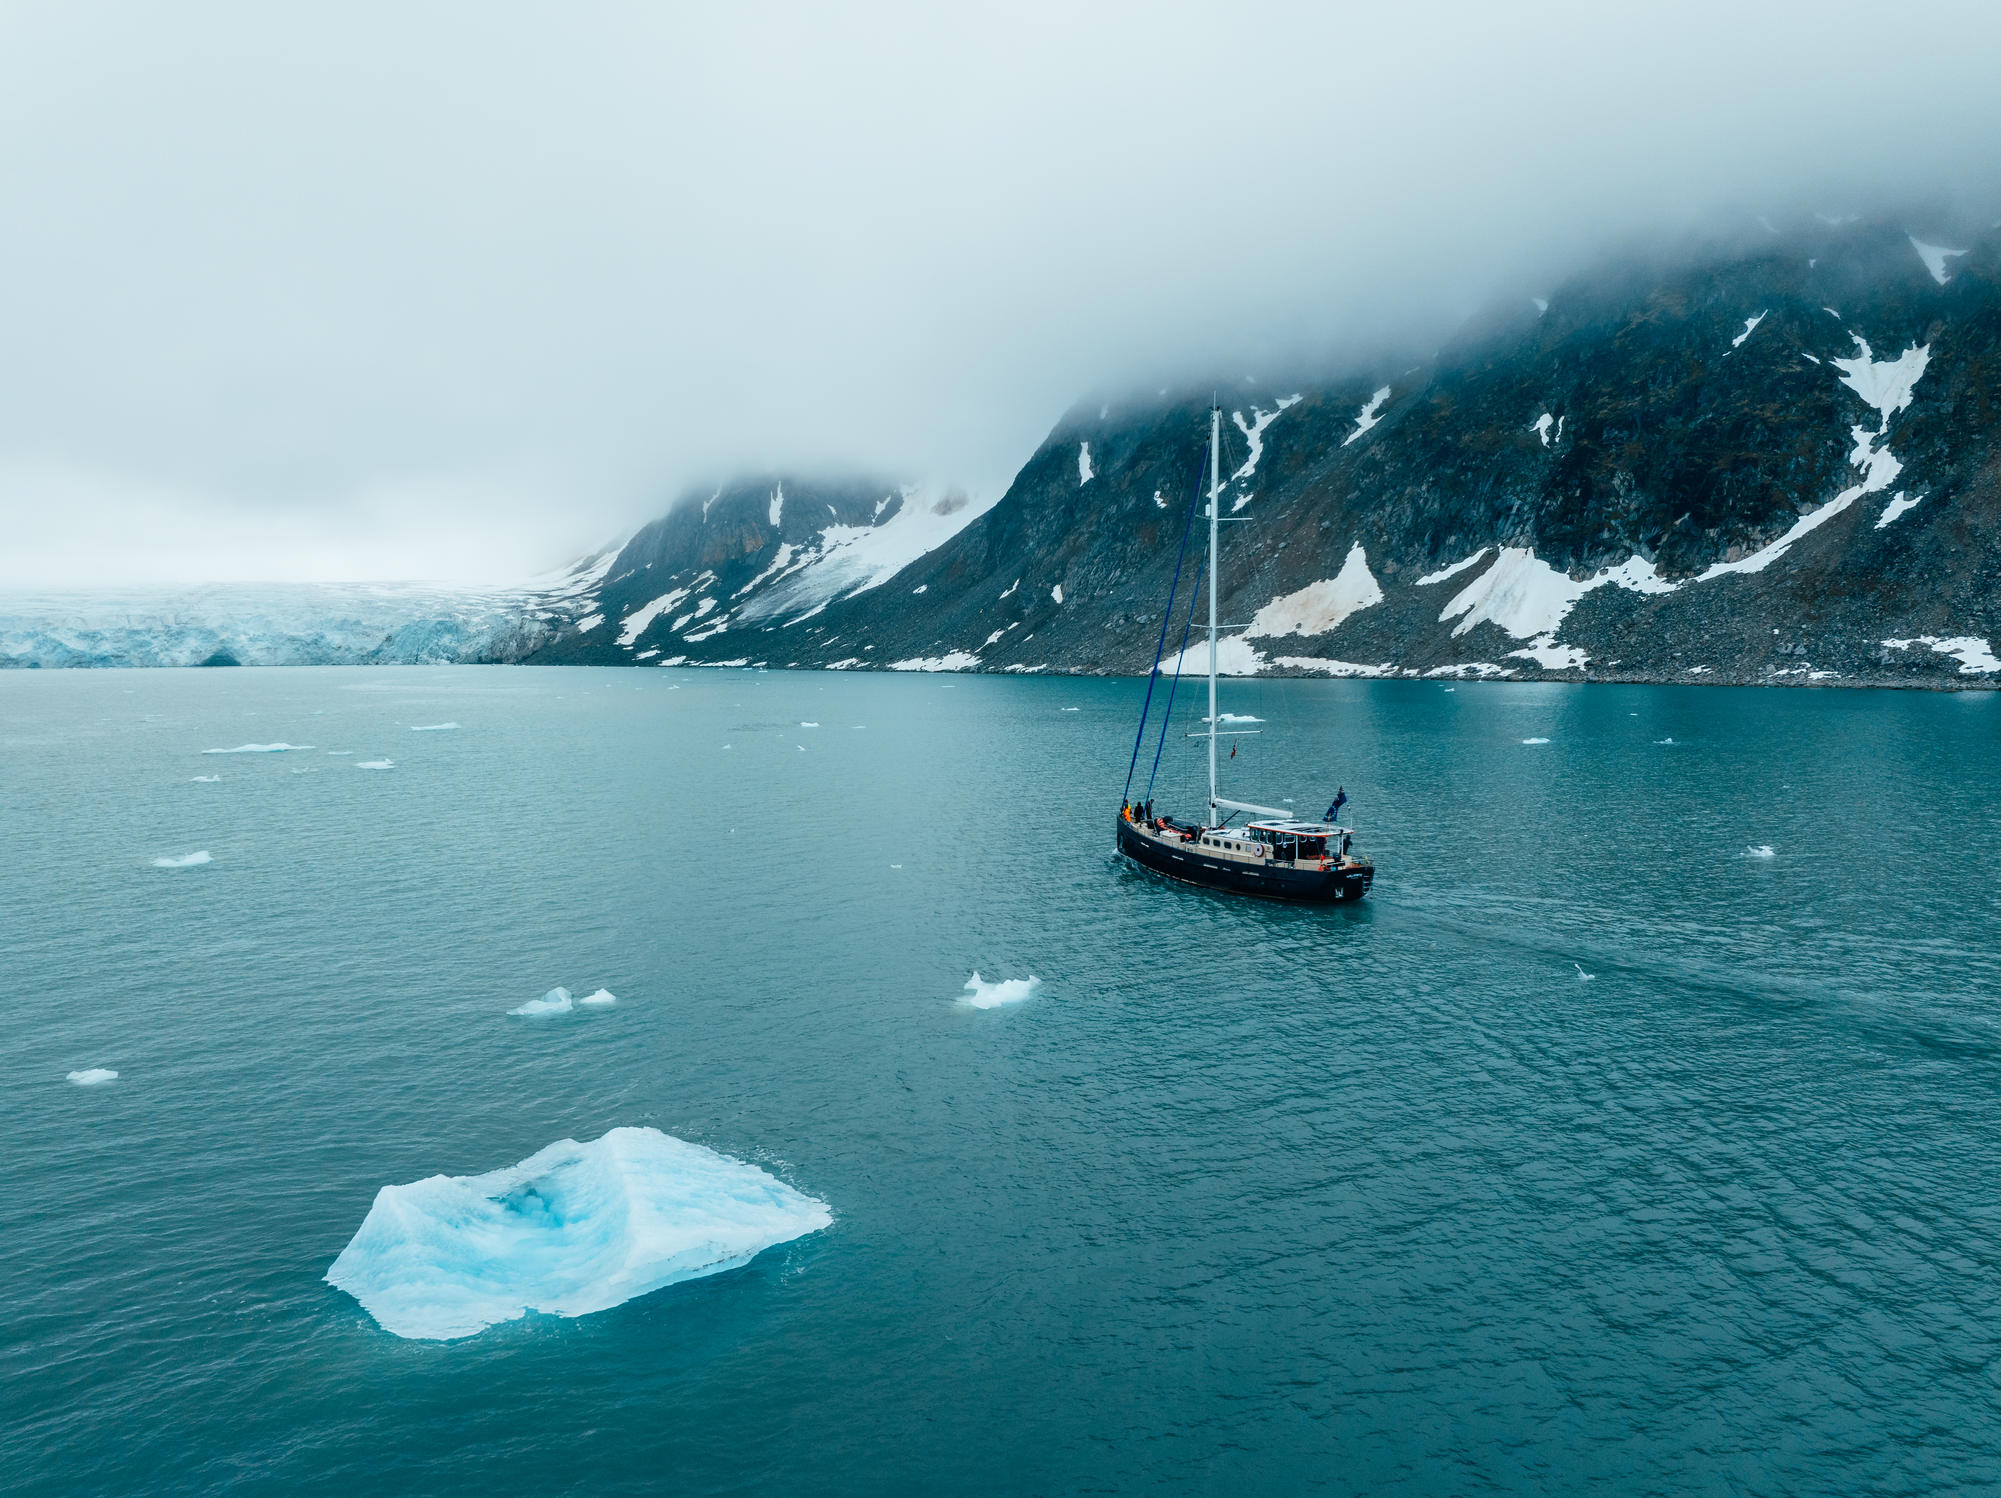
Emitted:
pixel 574 1228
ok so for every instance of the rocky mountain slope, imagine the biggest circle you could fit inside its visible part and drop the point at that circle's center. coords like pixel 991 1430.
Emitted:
pixel 1768 462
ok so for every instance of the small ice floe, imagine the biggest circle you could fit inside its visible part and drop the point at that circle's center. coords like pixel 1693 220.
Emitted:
pixel 432 727
pixel 1535 741
pixel 1070 709
pixel 1761 850
pixel 338 752
pixel 1664 741
pixel 261 749
pixel 1582 976
pixel 555 1001
pixel 375 764
pixel 93 1076
pixel 604 998
pixel 984 995
pixel 573 1229
pixel 206 779
pixel 1237 718
pixel 808 725
pixel 182 861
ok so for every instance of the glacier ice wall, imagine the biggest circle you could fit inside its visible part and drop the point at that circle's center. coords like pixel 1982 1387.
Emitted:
pixel 574 1228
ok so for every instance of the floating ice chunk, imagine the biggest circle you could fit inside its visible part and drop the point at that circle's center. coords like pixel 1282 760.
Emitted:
pixel 93 1076
pixel 1935 257
pixel 184 861
pixel 1761 850
pixel 206 779
pixel 604 998
pixel 1582 976
pixel 808 725
pixel 1367 417
pixel 573 1229
pixel 984 995
pixel 259 749
pixel 1535 741
pixel 1070 709
pixel 1897 505
pixel 1236 718
pixel 431 727
pixel 375 764
pixel 1321 607
pixel 1664 741
pixel 555 1001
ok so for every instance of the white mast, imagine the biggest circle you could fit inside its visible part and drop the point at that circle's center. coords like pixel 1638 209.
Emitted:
pixel 1215 505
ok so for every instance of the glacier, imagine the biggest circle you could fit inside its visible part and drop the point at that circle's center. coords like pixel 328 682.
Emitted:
pixel 571 1230
pixel 294 624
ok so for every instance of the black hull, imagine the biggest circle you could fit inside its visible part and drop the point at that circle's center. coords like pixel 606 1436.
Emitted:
pixel 1188 863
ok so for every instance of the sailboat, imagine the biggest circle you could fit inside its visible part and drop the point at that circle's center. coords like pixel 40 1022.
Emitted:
pixel 1272 854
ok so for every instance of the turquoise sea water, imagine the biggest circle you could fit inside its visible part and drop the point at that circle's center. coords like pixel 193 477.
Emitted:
pixel 1244 1199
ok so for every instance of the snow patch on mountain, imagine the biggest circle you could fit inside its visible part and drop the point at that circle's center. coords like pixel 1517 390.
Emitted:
pixel 1975 655
pixel 1886 385
pixel 637 622
pixel 1367 417
pixel 1750 326
pixel 1084 470
pixel 1235 656
pixel 851 559
pixel 1897 505
pixel 1454 570
pixel 1320 607
pixel 1935 257
pixel 1528 598
pixel 1254 434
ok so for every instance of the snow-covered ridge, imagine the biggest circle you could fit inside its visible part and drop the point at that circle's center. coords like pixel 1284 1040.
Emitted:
pixel 850 559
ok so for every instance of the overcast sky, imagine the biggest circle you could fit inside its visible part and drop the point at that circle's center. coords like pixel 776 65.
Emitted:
pixel 456 290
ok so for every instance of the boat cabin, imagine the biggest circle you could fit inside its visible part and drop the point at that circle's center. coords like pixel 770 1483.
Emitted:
pixel 1295 842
